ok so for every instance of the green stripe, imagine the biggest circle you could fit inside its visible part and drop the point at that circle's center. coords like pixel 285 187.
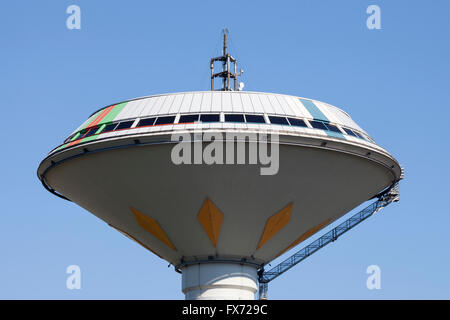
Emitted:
pixel 95 136
pixel 75 137
pixel 101 128
pixel 102 124
pixel 113 113
pixel 61 147
pixel 92 118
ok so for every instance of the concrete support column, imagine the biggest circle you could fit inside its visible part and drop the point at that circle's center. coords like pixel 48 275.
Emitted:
pixel 219 281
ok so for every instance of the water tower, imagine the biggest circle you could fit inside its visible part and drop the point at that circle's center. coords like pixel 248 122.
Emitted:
pixel 219 222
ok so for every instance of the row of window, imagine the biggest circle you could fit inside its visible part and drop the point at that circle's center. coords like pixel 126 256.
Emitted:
pixel 213 117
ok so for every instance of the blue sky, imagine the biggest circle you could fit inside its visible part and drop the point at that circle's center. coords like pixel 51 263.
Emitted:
pixel 394 82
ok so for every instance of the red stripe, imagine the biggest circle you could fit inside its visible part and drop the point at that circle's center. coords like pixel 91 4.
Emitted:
pixel 100 117
pixel 92 124
pixel 75 141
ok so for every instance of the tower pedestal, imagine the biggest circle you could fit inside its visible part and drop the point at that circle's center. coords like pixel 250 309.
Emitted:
pixel 219 281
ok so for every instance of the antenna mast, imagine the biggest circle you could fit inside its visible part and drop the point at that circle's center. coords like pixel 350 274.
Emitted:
pixel 225 74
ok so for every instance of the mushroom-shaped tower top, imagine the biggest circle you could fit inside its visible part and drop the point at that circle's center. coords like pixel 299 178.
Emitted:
pixel 201 201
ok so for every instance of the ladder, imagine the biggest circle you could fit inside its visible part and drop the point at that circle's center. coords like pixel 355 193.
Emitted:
pixel 385 198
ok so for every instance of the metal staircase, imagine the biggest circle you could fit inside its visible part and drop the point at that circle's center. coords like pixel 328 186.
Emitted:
pixel 385 198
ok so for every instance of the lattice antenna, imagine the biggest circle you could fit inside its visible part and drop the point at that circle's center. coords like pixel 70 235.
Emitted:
pixel 227 60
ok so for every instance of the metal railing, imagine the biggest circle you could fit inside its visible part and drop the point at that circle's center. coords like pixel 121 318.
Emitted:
pixel 385 198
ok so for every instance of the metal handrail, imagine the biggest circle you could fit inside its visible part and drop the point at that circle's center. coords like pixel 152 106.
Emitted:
pixel 385 198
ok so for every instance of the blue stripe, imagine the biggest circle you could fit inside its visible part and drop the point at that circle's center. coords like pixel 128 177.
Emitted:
pixel 318 115
pixel 314 110
pixel 335 134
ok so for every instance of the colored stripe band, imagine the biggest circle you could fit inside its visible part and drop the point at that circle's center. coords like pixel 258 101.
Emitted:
pixel 317 114
pixel 100 118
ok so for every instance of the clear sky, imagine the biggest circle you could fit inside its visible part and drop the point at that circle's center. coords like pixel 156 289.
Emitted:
pixel 394 82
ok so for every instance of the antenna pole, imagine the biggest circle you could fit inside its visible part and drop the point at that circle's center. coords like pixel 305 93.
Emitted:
pixel 235 78
pixel 225 62
pixel 226 74
pixel 212 75
pixel 225 42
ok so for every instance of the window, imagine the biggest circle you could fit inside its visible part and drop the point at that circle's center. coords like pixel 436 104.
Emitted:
pixel 232 117
pixel 81 135
pixel 278 120
pixel 349 132
pixel 297 122
pixel 124 125
pixel 188 118
pixel 318 125
pixel 77 136
pixel 369 138
pixel 333 128
pixel 165 120
pixel 254 118
pixel 146 122
pixel 109 127
pixel 70 137
pixel 91 132
pixel 210 117
pixel 359 135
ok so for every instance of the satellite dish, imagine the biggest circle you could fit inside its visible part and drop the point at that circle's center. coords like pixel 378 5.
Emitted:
pixel 241 86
